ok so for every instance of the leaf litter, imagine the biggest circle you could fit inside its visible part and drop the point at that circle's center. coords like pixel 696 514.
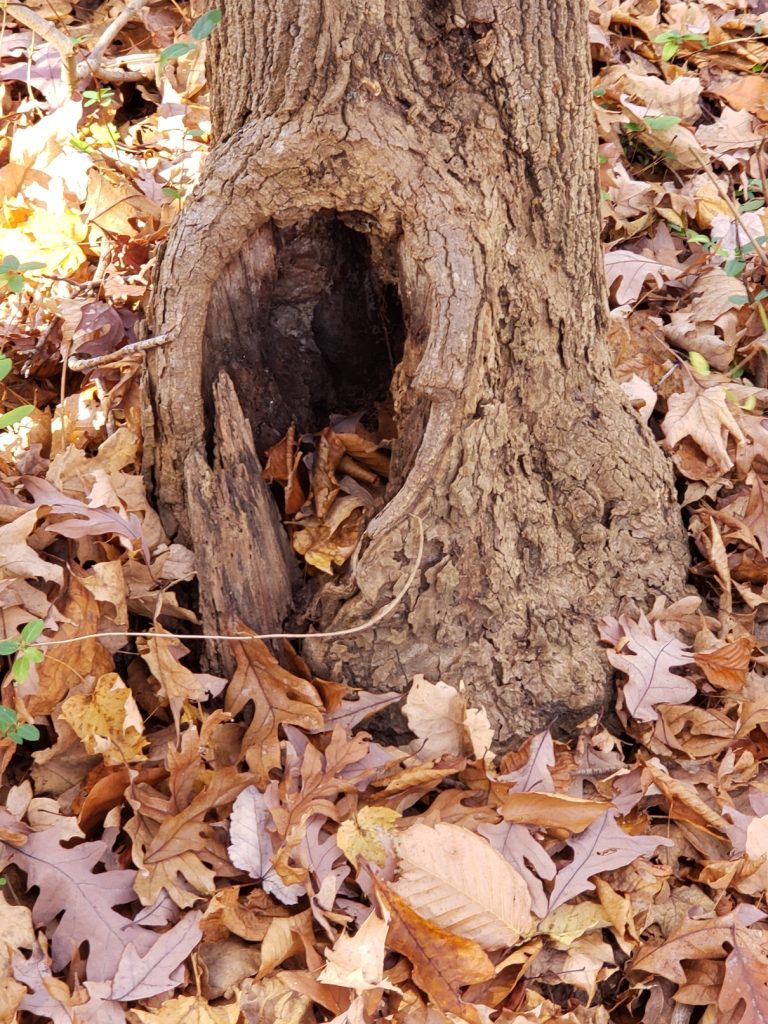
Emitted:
pixel 177 846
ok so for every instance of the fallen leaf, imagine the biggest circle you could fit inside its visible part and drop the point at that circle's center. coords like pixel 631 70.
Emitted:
pixel 457 880
pixel 443 963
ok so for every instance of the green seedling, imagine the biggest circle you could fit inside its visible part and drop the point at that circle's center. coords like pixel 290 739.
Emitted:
pixel 14 415
pixel 201 29
pixel 12 273
pixel 699 363
pixel 102 97
pixel 23 648
pixel 12 729
pixel 673 39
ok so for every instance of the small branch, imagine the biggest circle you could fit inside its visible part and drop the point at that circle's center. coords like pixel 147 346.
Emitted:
pixel 78 365
pixel 91 65
pixel 50 34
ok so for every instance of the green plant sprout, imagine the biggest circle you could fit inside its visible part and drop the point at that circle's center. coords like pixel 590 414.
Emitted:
pixel 13 415
pixel 12 273
pixel 12 729
pixel 101 97
pixel 673 39
pixel 201 29
pixel 24 649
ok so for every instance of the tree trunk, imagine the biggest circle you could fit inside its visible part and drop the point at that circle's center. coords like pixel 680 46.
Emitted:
pixel 414 181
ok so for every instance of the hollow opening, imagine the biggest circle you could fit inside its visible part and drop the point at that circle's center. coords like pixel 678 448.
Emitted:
pixel 305 326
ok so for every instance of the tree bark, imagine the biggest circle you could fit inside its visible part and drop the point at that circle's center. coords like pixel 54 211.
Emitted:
pixel 442 156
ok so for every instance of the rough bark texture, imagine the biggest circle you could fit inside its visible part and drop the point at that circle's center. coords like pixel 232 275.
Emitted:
pixel 412 181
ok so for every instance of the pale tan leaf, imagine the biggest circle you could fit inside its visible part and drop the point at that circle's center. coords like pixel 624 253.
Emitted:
pixel 708 419
pixel 456 879
pixel 357 961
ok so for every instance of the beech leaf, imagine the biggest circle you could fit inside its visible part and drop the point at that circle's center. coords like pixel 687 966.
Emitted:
pixel 457 880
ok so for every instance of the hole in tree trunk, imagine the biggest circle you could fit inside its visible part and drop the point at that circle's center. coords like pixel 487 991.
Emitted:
pixel 305 325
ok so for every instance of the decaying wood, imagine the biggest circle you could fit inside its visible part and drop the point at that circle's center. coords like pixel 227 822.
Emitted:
pixel 452 148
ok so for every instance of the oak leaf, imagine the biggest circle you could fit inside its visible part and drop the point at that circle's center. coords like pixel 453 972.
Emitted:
pixel 251 848
pixel 702 938
pixel 457 880
pixel 647 658
pixel 601 847
pixel 69 886
pixel 159 968
pixel 177 683
pixel 278 698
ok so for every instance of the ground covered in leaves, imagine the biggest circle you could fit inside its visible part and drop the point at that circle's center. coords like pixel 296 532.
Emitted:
pixel 175 846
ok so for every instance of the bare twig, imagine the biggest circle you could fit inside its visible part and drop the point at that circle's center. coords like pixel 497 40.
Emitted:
pixel 52 35
pixel 78 365
pixel 91 66
pixel 372 621
pixel 92 62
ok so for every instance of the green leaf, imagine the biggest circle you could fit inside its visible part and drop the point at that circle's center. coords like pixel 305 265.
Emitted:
pixel 205 25
pixel 26 731
pixel 699 363
pixel 751 204
pixel 6 365
pixel 9 418
pixel 173 52
pixel 738 300
pixel 168 190
pixel 670 49
pixel 734 266
pixel 8 718
pixel 662 121
pixel 762 294
pixel 9 263
pixel 672 35
pixel 20 668
pixel 35 655
pixel 32 631
pixel 9 646
pixel 15 282
pixel 749 403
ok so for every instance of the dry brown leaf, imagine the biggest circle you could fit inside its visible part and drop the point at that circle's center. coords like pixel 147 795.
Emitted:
pixel 177 683
pixel 278 698
pixel 443 963
pixel 551 810
pixel 708 419
pixel 108 721
pixel 726 666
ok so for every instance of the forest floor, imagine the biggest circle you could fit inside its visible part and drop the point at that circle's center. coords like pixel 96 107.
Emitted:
pixel 175 846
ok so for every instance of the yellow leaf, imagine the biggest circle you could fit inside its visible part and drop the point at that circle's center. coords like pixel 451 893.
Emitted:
pixel 570 921
pixel 108 721
pixel 190 1010
pixel 359 836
